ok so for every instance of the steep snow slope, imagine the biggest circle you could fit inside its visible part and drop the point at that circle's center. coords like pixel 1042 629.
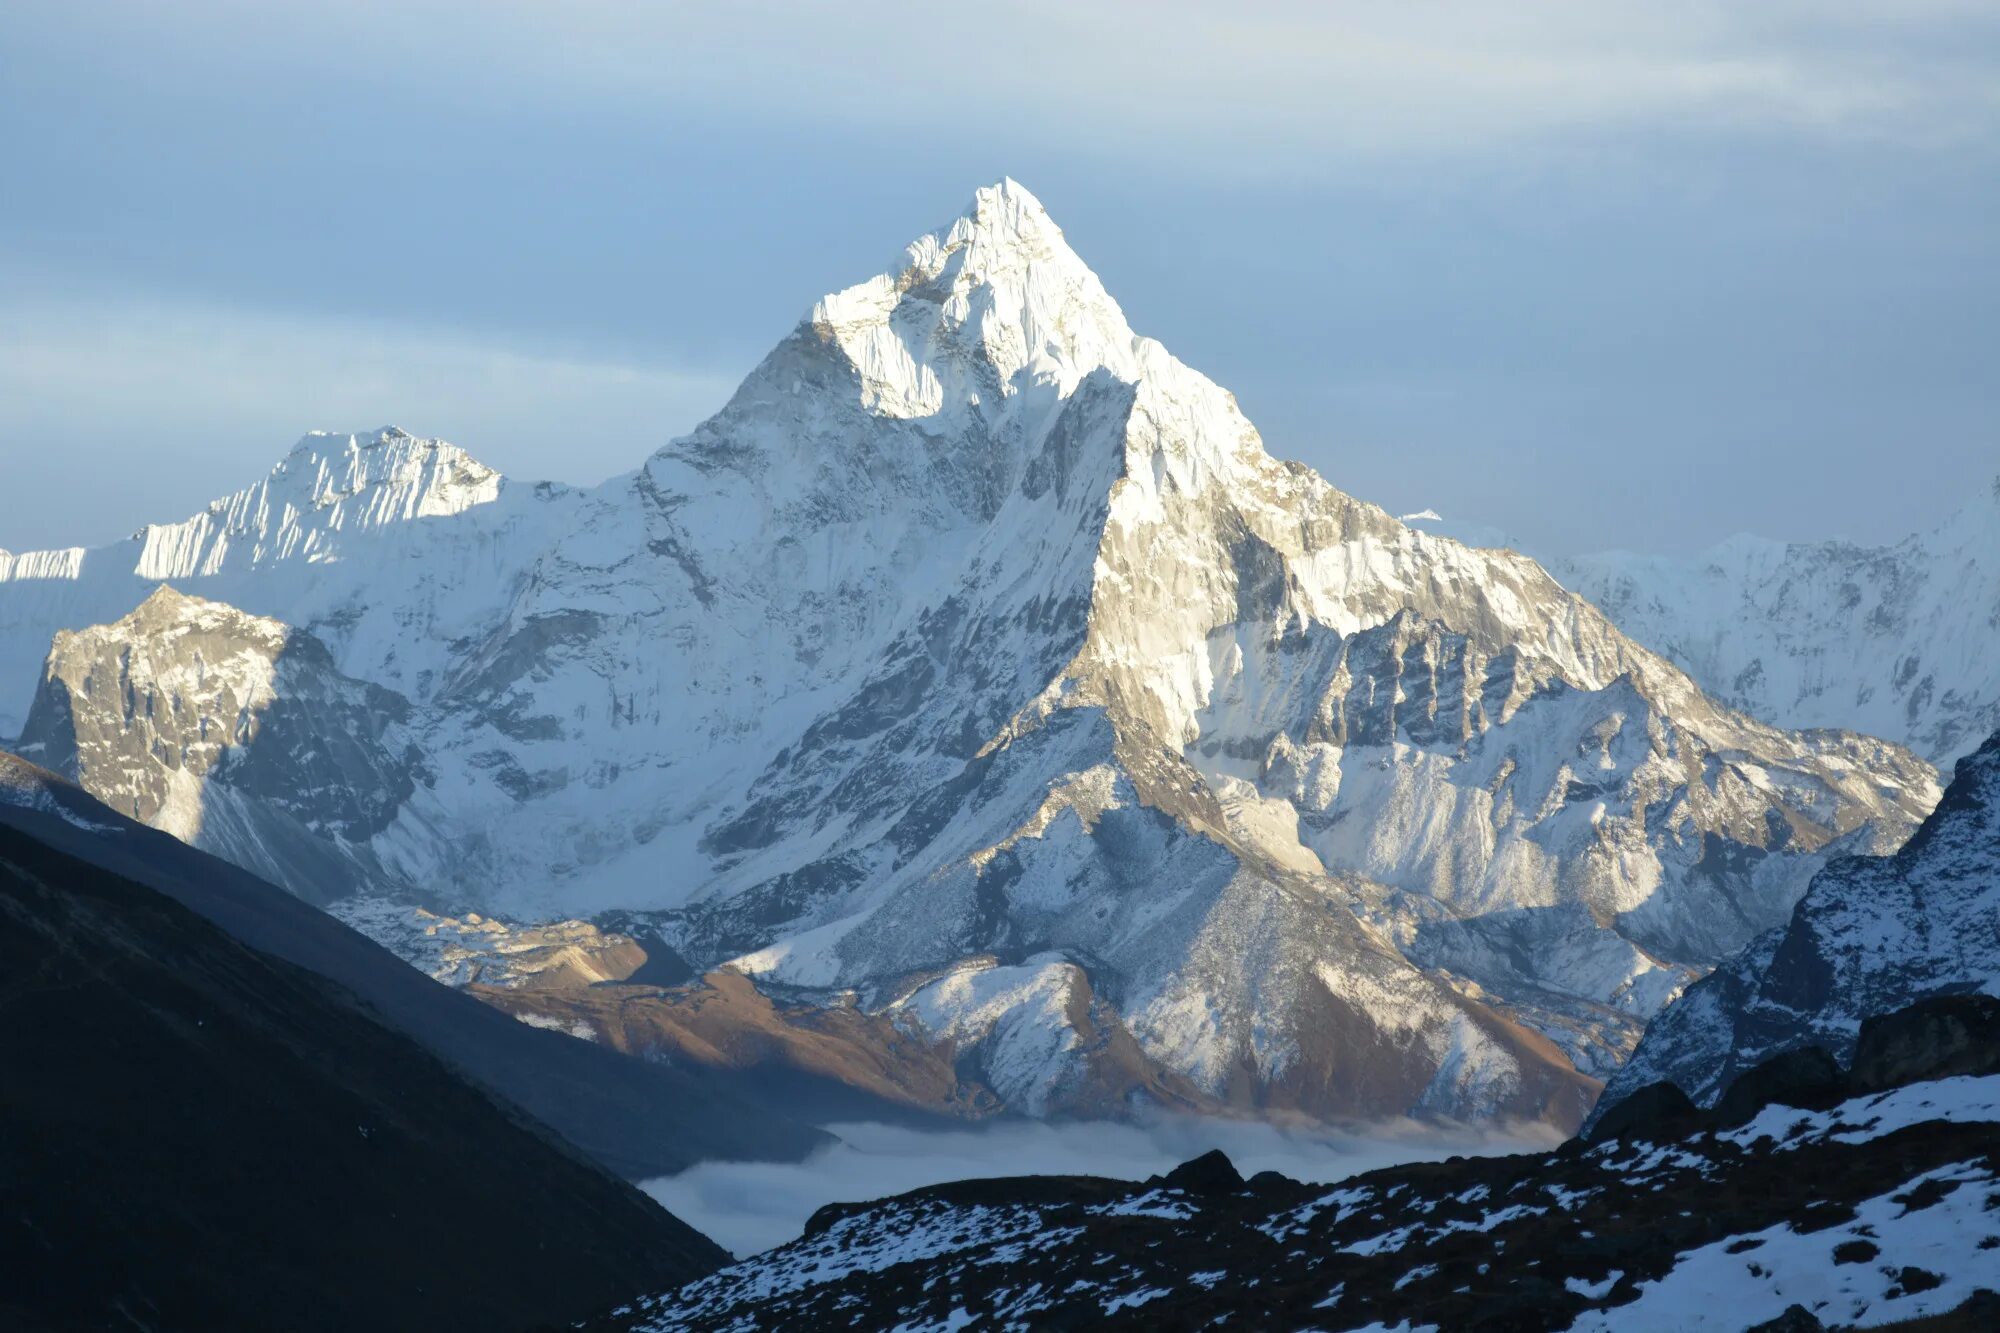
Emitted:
pixel 978 629
pixel 1871 935
pixel 1900 641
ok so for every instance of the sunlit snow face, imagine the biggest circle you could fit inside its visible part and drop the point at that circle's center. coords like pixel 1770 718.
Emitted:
pixel 751 1206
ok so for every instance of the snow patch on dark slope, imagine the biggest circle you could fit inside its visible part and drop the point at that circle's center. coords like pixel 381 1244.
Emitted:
pixel 976 666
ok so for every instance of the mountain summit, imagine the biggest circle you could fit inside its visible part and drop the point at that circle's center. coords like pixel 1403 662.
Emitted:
pixel 975 665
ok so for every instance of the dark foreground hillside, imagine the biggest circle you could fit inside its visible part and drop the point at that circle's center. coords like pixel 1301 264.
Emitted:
pixel 638 1118
pixel 1813 1197
pixel 196 1135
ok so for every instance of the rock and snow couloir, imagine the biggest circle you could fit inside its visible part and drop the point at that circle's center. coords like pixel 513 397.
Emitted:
pixel 977 662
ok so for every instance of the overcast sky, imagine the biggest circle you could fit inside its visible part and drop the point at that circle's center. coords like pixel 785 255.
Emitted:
pixel 1595 273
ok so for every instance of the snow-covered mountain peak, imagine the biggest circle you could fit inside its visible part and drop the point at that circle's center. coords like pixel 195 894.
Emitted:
pixel 401 475
pixel 167 605
pixel 326 484
pixel 382 501
pixel 976 626
pixel 168 617
pixel 977 310
pixel 226 725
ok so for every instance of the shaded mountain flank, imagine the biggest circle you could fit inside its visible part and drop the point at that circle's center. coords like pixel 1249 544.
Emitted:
pixel 638 1118
pixel 195 1135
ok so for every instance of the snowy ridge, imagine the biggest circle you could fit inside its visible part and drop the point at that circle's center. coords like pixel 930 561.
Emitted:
pixel 1897 641
pixel 380 544
pixel 327 484
pixel 976 626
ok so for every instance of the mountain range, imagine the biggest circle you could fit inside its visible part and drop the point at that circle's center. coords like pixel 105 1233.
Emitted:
pixel 1821 1150
pixel 976 671
pixel 1893 640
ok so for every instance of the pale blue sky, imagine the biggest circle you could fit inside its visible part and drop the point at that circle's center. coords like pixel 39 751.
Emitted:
pixel 1595 273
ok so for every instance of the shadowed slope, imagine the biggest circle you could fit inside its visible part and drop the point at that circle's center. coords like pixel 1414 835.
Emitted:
pixel 637 1118
pixel 196 1135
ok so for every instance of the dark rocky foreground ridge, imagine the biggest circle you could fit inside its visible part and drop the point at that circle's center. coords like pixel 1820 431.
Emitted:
pixel 196 1135
pixel 1862 1197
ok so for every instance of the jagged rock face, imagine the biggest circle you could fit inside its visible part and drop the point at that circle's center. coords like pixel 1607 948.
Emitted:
pixel 976 626
pixel 232 732
pixel 1872 935
pixel 1897 641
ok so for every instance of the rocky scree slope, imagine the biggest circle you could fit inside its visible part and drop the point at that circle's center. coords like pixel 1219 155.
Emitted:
pixel 976 664
pixel 1871 935
pixel 1872 1205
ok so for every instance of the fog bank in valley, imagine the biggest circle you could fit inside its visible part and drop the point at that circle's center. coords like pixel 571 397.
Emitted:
pixel 752 1206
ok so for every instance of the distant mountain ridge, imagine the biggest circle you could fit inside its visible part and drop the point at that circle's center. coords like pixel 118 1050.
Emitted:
pixel 975 664
pixel 1901 641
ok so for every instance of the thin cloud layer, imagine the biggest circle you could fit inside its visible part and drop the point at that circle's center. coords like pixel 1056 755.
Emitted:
pixel 1254 87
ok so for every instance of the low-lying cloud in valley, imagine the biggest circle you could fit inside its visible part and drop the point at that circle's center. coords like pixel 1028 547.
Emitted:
pixel 751 1206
